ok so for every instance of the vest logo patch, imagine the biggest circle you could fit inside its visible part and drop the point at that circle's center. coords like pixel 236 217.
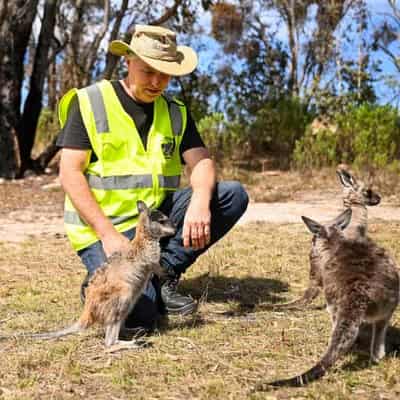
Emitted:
pixel 168 147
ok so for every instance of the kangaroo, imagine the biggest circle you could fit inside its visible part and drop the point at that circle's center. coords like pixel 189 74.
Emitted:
pixel 360 283
pixel 115 287
pixel 356 196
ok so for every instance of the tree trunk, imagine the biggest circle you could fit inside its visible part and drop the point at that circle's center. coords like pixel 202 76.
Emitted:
pixel 293 45
pixel 16 23
pixel 52 86
pixel 111 60
pixel 33 104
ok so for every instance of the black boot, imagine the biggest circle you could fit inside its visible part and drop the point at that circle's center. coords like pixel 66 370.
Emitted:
pixel 174 302
pixel 84 286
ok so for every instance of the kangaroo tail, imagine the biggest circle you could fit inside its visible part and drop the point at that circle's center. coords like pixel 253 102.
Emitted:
pixel 309 295
pixel 69 330
pixel 343 337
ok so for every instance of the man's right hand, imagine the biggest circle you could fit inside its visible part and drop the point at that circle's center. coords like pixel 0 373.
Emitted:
pixel 115 242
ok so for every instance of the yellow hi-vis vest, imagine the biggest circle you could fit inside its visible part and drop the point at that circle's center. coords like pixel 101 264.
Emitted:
pixel 124 171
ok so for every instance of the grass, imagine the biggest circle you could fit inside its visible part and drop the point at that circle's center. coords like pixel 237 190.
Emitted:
pixel 277 185
pixel 281 186
pixel 220 353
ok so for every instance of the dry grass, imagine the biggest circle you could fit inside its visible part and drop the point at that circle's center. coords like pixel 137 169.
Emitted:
pixel 218 354
pixel 280 186
pixel 276 185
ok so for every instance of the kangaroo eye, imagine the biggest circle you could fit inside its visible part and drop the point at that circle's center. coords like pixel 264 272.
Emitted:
pixel 159 217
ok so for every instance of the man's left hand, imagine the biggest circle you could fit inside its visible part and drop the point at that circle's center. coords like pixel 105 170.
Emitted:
pixel 197 224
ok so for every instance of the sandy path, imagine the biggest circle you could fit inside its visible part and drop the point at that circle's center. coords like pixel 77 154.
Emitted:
pixel 291 212
pixel 24 224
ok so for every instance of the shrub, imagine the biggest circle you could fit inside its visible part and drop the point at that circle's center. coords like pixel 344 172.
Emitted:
pixel 277 127
pixel 222 139
pixel 373 132
pixel 273 131
pixel 316 149
pixel 368 136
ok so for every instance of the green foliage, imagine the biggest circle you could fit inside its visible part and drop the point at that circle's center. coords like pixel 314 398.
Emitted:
pixel 277 126
pixel 315 149
pixel 376 141
pixel 218 136
pixel 274 131
pixel 368 136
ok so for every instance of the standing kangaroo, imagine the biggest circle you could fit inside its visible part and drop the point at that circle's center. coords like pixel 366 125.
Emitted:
pixel 115 287
pixel 356 196
pixel 360 283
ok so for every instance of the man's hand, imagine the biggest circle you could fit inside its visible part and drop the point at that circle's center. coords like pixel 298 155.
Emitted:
pixel 197 224
pixel 114 242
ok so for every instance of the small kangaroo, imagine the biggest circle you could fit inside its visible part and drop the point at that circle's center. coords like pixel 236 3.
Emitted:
pixel 115 287
pixel 356 196
pixel 360 283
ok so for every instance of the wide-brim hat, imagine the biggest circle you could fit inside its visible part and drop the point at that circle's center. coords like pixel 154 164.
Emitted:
pixel 157 47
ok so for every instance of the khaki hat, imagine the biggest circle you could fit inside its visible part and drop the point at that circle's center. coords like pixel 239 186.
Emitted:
pixel 157 47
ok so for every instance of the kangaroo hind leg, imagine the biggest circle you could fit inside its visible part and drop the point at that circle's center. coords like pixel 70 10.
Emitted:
pixel 112 342
pixel 378 340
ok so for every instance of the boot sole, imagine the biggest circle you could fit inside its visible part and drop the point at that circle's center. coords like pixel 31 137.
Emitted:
pixel 185 310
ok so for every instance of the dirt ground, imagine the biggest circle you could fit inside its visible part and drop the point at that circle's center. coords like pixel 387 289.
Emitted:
pixel 34 206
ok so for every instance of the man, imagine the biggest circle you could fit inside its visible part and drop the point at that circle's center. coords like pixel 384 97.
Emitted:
pixel 125 140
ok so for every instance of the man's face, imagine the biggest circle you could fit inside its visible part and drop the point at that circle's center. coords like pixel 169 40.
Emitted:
pixel 145 82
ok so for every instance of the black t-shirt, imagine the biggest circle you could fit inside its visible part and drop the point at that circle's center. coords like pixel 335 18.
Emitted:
pixel 74 133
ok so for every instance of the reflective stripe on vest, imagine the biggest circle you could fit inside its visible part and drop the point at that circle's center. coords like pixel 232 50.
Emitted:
pixel 98 108
pixel 119 182
pixel 73 218
pixel 169 181
pixel 176 118
pixel 131 182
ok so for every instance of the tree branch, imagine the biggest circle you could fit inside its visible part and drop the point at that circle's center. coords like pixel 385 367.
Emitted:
pixel 111 60
pixel 169 13
pixel 92 54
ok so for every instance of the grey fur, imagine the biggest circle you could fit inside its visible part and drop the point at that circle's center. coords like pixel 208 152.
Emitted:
pixel 356 196
pixel 361 284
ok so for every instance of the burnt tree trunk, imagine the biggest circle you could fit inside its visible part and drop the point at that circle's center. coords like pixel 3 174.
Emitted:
pixel 16 20
pixel 33 104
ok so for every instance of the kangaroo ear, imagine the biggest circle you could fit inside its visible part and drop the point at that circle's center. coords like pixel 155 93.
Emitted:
pixel 141 206
pixel 342 220
pixel 346 179
pixel 313 226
